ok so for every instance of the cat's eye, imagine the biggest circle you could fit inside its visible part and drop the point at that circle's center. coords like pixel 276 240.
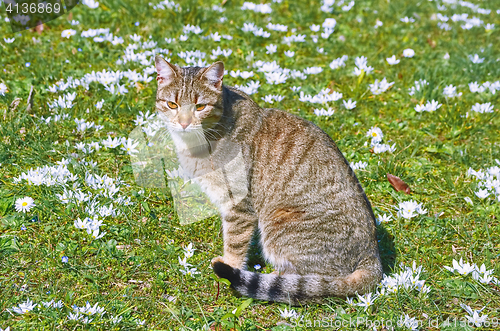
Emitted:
pixel 200 107
pixel 172 105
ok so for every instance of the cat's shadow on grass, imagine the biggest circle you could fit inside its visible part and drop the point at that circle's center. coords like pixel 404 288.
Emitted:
pixel 387 249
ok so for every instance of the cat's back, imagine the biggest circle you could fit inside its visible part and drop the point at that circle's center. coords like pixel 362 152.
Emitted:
pixel 297 163
pixel 289 138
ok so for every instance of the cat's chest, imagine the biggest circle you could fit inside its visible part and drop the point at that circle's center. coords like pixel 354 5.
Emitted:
pixel 221 175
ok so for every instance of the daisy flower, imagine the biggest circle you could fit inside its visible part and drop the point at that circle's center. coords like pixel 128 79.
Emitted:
pixel 68 33
pixel 376 134
pixel 25 204
pixel 408 52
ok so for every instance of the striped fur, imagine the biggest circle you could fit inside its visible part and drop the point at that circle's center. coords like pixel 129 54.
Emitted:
pixel 316 224
pixel 293 289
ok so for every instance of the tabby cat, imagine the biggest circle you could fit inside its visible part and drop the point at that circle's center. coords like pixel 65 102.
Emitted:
pixel 315 222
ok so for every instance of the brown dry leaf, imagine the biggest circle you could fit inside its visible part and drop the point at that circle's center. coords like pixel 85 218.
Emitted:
pixel 398 184
pixel 70 16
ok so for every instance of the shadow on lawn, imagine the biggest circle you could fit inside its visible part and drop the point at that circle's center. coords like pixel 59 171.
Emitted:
pixel 386 248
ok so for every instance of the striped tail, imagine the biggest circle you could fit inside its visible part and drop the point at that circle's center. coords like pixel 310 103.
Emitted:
pixel 296 289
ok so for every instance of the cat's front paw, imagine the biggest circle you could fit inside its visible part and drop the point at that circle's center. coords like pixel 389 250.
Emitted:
pixel 235 263
pixel 217 259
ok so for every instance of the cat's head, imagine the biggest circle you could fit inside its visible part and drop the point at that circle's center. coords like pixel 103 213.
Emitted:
pixel 189 98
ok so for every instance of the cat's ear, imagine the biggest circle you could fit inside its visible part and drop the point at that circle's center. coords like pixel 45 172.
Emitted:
pixel 214 74
pixel 166 71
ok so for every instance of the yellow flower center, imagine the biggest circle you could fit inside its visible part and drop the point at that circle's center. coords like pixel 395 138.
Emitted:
pixel 374 134
pixel 25 204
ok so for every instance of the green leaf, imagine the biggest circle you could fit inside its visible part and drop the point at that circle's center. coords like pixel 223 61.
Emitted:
pixel 228 315
pixel 243 306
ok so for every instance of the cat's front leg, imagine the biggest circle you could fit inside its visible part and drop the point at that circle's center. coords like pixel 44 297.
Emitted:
pixel 238 226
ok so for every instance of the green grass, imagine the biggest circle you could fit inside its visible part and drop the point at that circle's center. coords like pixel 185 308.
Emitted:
pixel 134 271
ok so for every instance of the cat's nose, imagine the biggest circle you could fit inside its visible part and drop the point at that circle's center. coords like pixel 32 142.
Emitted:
pixel 185 125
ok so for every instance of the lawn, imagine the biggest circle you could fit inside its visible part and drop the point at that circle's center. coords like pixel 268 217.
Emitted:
pixel 408 88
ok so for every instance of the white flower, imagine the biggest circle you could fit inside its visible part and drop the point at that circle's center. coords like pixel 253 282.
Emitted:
pixel 483 107
pixel 392 60
pixel 271 49
pixel 116 319
pixel 384 218
pixel 361 65
pixel 366 300
pixel 349 104
pixel 315 27
pixel 432 105
pixel 450 91
pixel 408 52
pixel 381 148
pixel 189 272
pixel 272 98
pixel 79 224
pixel 339 62
pixel 68 33
pixel 410 209
pixel 74 316
pixel 25 307
pixel 289 53
pixel 292 314
pixel 96 235
pixel 461 267
pixel 429 106
pixel 473 316
pixel 482 275
pixel 482 193
pixel 189 250
pixel 184 263
pixel 24 204
pixel 476 59
pixel 9 40
pixel 99 104
pixel 324 112
pixel 91 3
pixel 380 87
pixel 129 146
pixel 375 133
pixel 359 165
pixel 3 89
pixel 407 19
pixel 329 23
